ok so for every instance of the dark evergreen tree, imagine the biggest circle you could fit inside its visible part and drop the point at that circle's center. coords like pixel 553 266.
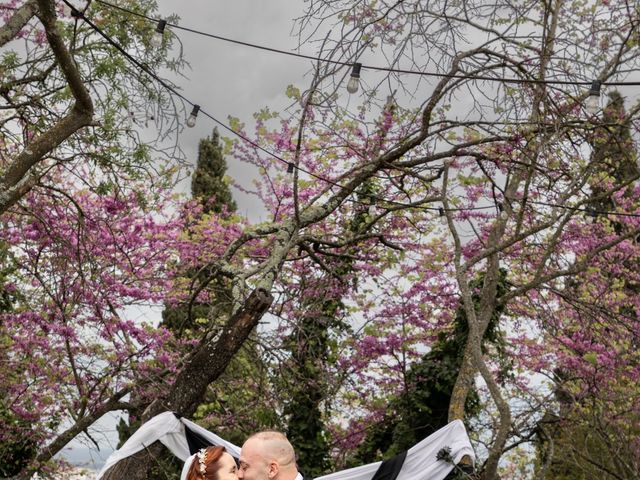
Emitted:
pixel 240 392
pixel 209 187
pixel 423 406
pixel 307 385
pixel 208 182
pixel 614 163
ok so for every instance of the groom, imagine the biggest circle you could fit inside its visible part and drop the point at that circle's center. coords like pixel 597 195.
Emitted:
pixel 268 455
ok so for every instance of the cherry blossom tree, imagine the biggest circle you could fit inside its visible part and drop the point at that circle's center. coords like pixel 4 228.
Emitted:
pixel 67 100
pixel 72 350
pixel 515 196
pixel 80 192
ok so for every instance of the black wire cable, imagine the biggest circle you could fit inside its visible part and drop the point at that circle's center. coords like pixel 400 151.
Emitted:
pixel 77 14
pixel 369 67
pixel 175 92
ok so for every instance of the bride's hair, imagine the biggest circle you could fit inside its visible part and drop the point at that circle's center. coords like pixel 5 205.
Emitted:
pixel 203 466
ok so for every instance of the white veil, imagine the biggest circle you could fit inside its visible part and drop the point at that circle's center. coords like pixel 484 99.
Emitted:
pixel 185 468
pixel 170 430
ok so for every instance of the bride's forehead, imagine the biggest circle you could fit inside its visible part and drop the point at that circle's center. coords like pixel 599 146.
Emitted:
pixel 227 458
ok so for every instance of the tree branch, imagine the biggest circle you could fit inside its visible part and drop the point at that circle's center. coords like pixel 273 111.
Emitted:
pixel 80 116
pixel 17 21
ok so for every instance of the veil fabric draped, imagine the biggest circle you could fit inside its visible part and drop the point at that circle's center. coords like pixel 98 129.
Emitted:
pixel 181 436
pixel 421 462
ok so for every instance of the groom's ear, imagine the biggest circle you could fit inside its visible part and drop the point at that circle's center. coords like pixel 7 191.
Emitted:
pixel 273 469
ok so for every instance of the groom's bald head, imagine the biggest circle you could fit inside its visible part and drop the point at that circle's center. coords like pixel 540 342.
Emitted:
pixel 275 445
pixel 267 455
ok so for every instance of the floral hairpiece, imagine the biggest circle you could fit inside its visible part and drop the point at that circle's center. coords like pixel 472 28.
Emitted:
pixel 202 458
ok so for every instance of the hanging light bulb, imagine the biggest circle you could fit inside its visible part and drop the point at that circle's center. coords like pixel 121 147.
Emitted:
pixel 158 35
pixel 503 214
pixel 191 121
pixel 591 214
pixel 290 167
pixel 354 80
pixel 443 217
pixel 593 100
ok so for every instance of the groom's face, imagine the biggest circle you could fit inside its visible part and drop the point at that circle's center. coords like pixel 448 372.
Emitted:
pixel 254 464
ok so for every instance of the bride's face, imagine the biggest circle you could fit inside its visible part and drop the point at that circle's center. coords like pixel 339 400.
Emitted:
pixel 227 469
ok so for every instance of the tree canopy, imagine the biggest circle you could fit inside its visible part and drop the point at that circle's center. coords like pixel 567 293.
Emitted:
pixel 464 179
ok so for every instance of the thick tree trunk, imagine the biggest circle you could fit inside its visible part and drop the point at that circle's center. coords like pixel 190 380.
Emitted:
pixel 205 366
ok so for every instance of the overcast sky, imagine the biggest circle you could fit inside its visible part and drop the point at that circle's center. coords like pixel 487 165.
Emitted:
pixel 227 79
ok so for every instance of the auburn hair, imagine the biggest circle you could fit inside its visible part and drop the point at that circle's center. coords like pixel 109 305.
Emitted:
pixel 213 454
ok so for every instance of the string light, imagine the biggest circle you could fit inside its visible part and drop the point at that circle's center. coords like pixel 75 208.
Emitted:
pixel 443 217
pixel 447 163
pixel 372 67
pixel 354 80
pixel 158 35
pixel 593 100
pixel 191 121
pixel 290 167
pixel 503 214
pixel 68 10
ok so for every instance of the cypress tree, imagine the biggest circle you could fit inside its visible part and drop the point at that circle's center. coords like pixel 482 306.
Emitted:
pixel 208 181
pixel 307 386
pixel 211 189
